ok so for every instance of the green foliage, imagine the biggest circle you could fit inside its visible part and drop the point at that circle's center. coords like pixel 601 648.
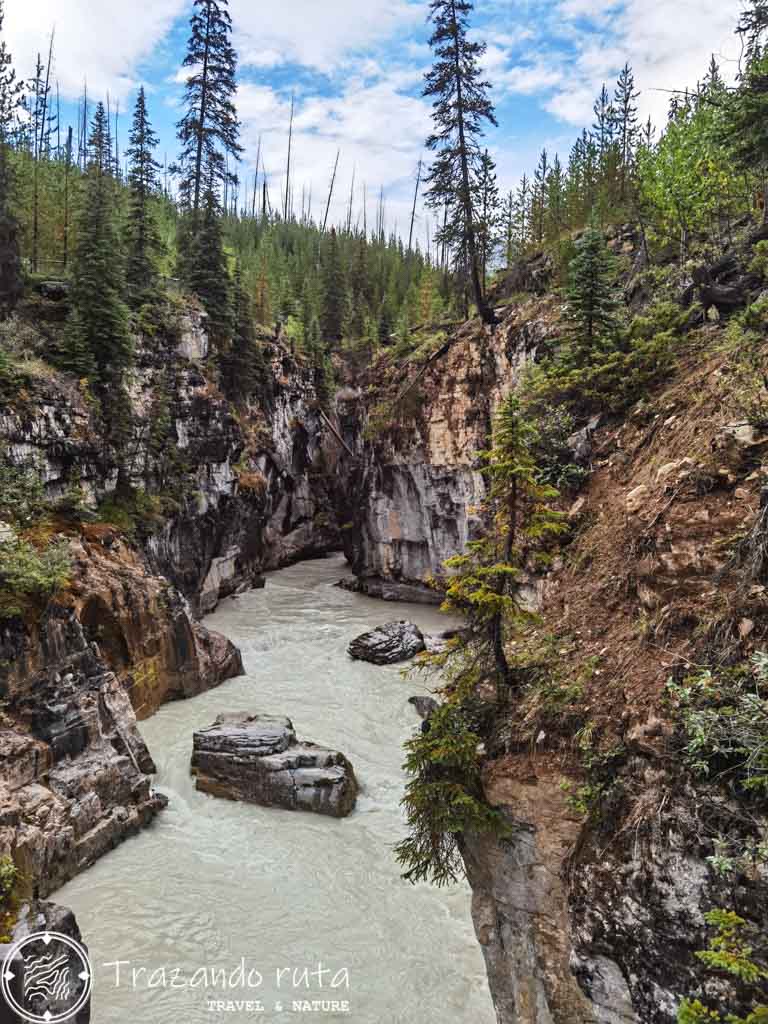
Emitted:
pixel 134 512
pixel 746 336
pixel 22 496
pixel 9 880
pixel 554 455
pixel 443 796
pixel 759 263
pixel 481 584
pixel 144 246
pixel 29 576
pixel 592 297
pixel 98 341
pixel 9 875
pixel 724 721
pixel 727 953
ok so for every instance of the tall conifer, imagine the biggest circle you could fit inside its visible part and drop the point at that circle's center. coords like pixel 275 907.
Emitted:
pixel 144 245
pixel 461 109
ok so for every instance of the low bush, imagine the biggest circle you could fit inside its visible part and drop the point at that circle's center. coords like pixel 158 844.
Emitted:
pixel 28 576
pixel 724 723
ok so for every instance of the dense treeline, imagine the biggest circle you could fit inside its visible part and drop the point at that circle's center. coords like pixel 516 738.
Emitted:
pixel 123 230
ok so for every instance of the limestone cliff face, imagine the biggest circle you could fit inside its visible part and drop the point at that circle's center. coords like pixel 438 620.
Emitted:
pixel 414 483
pixel 225 494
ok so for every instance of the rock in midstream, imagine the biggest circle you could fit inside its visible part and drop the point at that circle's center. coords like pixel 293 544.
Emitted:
pixel 385 645
pixel 258 759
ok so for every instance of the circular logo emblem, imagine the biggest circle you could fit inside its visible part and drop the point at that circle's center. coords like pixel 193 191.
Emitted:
pixel 46 978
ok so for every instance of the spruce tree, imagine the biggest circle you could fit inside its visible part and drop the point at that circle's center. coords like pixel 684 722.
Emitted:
pixel 592 300
pixel 98 341
pixel 209 130
pixel 461 109
pixel 144 246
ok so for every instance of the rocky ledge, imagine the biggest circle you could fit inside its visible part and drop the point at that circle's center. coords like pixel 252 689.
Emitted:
pixel 386 645
pixel 258 759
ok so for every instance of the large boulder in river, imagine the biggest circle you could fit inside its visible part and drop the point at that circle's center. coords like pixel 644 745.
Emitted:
pixel 257 758
pixel 385 645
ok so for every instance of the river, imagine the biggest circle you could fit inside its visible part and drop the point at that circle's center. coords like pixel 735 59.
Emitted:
pixel 213 882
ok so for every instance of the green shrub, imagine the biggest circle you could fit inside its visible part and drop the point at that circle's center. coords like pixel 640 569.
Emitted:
pixel 759 264
pixel 22 496
pixel 29 576
pixel 613 379
pixel 660 316
pixel 728 953
pixel 724 720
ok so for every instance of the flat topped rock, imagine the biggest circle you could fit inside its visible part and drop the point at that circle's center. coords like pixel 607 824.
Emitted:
pixel 385 645
pixel 258 759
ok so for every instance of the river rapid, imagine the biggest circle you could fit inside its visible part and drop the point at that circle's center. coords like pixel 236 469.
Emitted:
pixel 213 883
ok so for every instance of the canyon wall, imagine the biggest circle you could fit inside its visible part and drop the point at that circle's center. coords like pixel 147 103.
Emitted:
pixel 211 496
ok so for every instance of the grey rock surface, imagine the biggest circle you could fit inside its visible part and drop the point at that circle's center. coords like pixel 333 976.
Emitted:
pixel 388 644
pixel 258 759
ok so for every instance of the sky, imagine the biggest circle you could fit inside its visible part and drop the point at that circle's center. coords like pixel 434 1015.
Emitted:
pixel 356 70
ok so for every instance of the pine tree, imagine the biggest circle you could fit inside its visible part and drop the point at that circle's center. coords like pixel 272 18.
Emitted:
pixel 461 107
pixel 625 115
pixel 592 300
pixel 98 341
pixel 144 246
pixel 209 130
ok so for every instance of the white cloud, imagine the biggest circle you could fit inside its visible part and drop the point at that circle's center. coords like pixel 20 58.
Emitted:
pixel 378 130
pixel 103 41
pixel 318 35
pixel 667 44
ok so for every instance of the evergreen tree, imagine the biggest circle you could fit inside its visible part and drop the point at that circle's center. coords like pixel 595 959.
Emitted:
pixel 204 266
pixel 335 307
pixel 97 336
pixel 10 102
pixel 745 129
pixel 592 300
pixel 539 197
pixel 209 130
pixel 242 364
pixel 144 245
pixel 753 25
pixel 625 114
pixel 604 122
pixel 461 107
pixel 523 212
pixel 487 190
pixel 555 200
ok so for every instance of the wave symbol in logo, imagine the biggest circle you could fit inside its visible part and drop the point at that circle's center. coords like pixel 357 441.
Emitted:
pixel 46 978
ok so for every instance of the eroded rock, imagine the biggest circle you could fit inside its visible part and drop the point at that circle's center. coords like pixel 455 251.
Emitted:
pixel 258 759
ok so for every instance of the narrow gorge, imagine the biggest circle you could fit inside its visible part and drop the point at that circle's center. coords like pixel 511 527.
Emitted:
pixel 384 519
